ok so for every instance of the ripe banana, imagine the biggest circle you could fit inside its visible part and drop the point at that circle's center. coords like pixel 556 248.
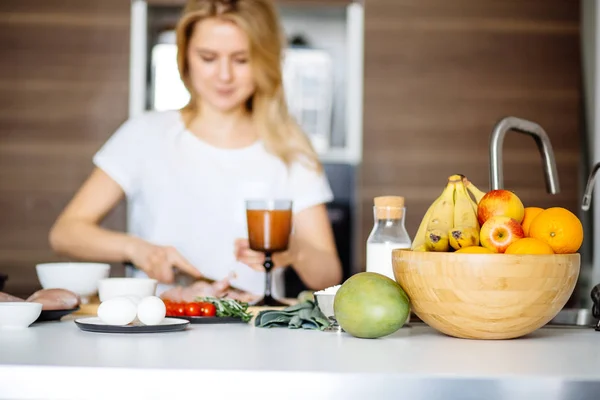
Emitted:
pixel 418 243
pixel 473 205
pixel 441 220
pixel 465 232
pixel 478 194
pixel 437 240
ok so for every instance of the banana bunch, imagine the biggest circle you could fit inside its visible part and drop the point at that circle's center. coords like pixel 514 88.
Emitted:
pixel 451 220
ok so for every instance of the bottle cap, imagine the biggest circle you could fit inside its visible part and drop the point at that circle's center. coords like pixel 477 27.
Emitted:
pixel 388 207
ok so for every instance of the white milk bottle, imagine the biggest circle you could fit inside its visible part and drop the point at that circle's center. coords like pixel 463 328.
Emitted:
pixel 388 234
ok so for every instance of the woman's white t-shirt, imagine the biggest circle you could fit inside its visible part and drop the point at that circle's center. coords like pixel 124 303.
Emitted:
pixel 185 193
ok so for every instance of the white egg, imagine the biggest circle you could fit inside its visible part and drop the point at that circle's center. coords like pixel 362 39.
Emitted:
pixel 151 310
pixel 117 311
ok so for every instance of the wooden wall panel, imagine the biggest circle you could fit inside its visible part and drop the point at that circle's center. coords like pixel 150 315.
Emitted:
pixel 439 75
pixel 63 91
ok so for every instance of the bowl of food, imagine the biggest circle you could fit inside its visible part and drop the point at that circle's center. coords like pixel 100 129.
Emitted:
pixel 19 315
pixel 324 300
pixel 80 278
pixel 110 288
pixel 486 296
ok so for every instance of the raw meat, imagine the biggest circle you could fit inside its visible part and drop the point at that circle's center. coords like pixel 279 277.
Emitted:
pixel 55 299
pixel 205 288
pixel 5 297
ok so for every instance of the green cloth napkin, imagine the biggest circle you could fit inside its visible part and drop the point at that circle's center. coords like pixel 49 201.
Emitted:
pixel 305 315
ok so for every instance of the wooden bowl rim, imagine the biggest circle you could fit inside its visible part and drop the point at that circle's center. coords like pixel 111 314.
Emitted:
pixel 508 257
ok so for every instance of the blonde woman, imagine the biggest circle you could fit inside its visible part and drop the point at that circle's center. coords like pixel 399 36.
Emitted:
pixel 185 174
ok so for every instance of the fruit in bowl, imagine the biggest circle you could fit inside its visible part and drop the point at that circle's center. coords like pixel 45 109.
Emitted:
pixel 465 217
pixel 486 296
pixel 450 223
pixel 529 215
pixel 558 227
pixel 500 202
pixel 475 250
pixel 529 246
pixel 499 232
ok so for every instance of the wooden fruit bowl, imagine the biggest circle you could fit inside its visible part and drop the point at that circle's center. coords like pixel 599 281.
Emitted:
pixel 486 296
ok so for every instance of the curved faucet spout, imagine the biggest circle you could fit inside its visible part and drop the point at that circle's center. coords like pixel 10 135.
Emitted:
pixel 589 188
pixel 542 141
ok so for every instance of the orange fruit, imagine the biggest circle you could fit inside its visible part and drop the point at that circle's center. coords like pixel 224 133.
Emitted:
pixel 558 227
pixel 474 249
pixel 530 214
pixel 529 246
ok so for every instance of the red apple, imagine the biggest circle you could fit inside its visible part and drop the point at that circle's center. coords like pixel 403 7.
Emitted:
pixel 500 203
pixel 499 232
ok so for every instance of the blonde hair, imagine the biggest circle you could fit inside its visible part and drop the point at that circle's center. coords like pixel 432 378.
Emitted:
pixel 279 132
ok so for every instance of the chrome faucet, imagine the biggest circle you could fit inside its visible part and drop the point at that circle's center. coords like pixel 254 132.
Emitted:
pixel 542 141
pixel 589 188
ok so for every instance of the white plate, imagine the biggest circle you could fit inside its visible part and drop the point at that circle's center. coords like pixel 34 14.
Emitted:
pixel 95 324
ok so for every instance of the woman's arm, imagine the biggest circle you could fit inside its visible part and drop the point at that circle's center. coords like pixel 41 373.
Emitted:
pixel 312 251
pixel 77 233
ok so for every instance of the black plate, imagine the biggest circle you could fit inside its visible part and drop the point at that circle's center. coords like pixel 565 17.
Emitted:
pixel 94 324
pixel 213 320
pixel 54 315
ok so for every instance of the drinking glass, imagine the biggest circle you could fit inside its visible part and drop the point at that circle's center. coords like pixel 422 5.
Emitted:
pixel 269 228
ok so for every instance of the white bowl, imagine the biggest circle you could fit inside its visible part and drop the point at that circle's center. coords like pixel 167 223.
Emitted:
pixel 19 315
pixel 325 303
pixel 116 287
pixel 80 278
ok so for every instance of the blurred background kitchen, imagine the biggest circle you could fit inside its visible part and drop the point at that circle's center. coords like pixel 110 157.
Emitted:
pixel 395 94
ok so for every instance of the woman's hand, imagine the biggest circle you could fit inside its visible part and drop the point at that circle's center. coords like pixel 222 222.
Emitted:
pixel 255 259
pixel 251 258
pixel 158 261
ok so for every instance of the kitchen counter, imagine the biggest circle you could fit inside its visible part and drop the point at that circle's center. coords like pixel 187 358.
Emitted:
pixel 55 360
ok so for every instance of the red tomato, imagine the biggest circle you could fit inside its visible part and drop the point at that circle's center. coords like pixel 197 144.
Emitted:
pixel 192 309
pixel 208 310
pixel 170 309
pixel 178 309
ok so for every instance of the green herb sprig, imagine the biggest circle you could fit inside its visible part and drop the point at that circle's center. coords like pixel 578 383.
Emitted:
pixel 229 307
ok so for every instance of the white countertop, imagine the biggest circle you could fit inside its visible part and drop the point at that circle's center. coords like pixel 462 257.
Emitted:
pixel 57 360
